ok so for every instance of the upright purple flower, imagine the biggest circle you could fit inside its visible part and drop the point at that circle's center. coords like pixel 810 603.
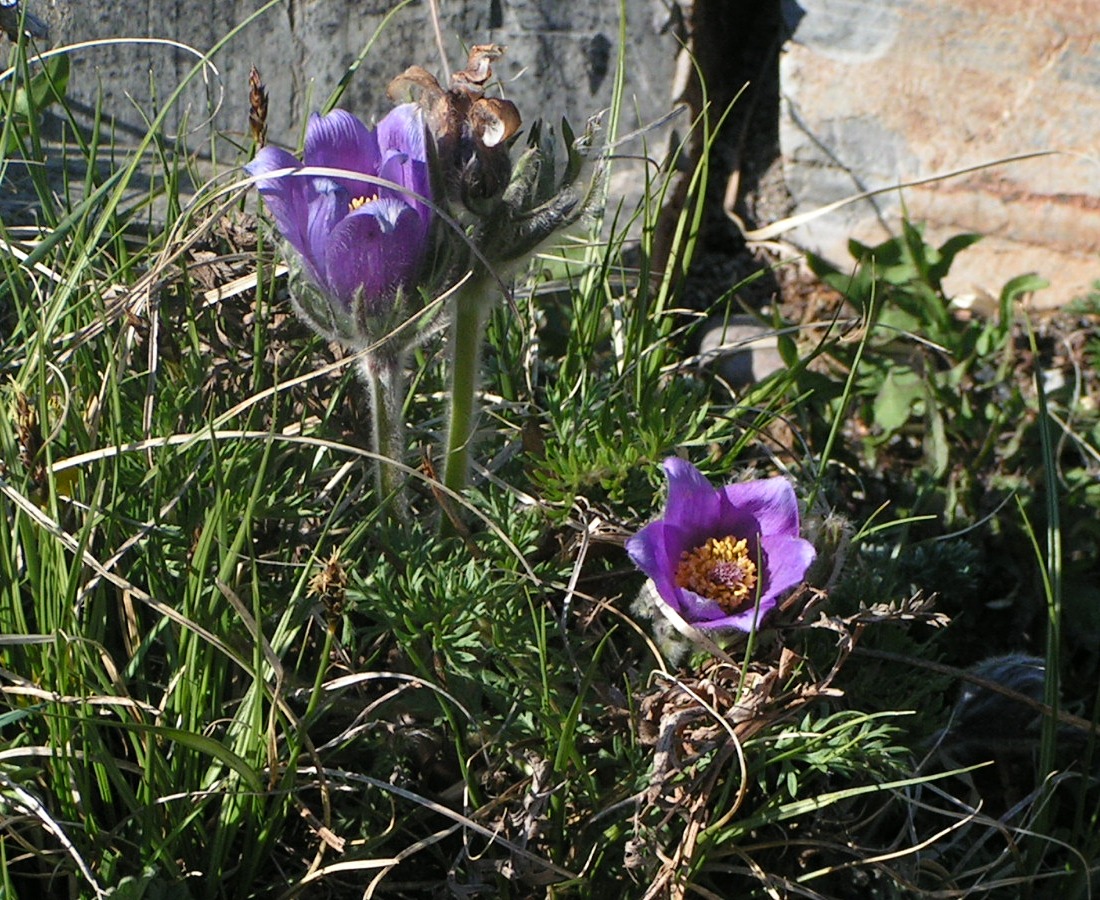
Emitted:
pixel 721 558
pixel 359 242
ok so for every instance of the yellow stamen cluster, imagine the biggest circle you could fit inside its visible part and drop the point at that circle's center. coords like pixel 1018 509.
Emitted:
pixel 359 202
pixel 719 570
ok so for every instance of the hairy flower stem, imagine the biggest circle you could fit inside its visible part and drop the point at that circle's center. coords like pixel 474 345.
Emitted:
pixel 382 372
pixel 471 309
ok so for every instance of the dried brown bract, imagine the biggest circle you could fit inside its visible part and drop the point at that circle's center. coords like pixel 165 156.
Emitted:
pixel 30 439
pixel 330 586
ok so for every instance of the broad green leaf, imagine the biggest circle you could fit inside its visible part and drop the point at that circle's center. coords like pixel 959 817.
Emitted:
pixel 946 254
pixel 1016 288
pixel 936 448
pixel 893 405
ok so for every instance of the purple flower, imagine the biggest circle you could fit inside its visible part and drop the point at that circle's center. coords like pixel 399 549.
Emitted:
pixel 721 558
pixel 357 239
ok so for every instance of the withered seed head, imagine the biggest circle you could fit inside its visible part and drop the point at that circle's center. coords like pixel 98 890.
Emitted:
pixel 257 107
pixel 30 438
pixel 330 583
pixel 470 130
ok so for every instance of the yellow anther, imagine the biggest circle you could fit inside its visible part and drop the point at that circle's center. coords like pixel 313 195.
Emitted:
pixel 360 202
pixel 719 570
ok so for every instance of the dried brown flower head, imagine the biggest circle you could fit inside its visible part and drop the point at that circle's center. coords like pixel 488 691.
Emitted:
pixel 30 439
pixel 470 130
pixel 330 584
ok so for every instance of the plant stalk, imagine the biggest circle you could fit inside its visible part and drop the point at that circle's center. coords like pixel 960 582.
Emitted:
pixel 382 372
pixel 471 308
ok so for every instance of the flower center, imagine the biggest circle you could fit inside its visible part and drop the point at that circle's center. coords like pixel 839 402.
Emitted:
pixel 359 202
pixel 719 570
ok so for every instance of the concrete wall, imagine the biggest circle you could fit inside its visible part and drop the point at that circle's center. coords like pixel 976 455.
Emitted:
pixel 872 92
pixel 560 62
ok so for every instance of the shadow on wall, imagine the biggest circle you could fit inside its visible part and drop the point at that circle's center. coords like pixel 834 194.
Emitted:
pixel 736 45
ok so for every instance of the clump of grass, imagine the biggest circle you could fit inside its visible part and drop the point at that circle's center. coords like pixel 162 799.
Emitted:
pixel 225 674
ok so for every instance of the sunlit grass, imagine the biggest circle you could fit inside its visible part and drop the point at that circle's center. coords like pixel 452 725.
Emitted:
pixel 226 674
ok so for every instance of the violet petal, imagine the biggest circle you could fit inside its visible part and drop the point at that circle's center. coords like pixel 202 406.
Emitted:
pixel 374 249
pixel 697 609
pixel 398 168
pixel 741 621
pixel 341 141
pixel 770 502
pixel 287 197
pixel 693 504
pixel 785 561
pixel 401 132
pixel 328 205
pixel 656 551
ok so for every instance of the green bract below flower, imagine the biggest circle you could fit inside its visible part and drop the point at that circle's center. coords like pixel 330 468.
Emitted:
pixel 540 202
pixel 721 558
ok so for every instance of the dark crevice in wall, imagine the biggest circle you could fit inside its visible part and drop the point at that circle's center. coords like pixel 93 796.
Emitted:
pixel 736 44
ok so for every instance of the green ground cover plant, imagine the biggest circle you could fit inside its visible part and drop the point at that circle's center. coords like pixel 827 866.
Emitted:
pixel 232 666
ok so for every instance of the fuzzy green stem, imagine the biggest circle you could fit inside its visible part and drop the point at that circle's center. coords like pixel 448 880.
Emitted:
pixel 383 375
pixel 471 307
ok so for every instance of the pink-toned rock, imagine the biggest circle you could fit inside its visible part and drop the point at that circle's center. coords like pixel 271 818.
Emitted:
pixel 877 93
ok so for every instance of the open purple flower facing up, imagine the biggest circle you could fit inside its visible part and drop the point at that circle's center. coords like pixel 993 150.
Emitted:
pixel 721 558
pixel 359 241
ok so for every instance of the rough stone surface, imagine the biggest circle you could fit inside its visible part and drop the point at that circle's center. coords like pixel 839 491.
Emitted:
pixel 740 349
pixel 868 93
pixel 876 92
pixel 560 61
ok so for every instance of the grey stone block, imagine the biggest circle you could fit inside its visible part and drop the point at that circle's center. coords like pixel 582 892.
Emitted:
pixel 560 62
